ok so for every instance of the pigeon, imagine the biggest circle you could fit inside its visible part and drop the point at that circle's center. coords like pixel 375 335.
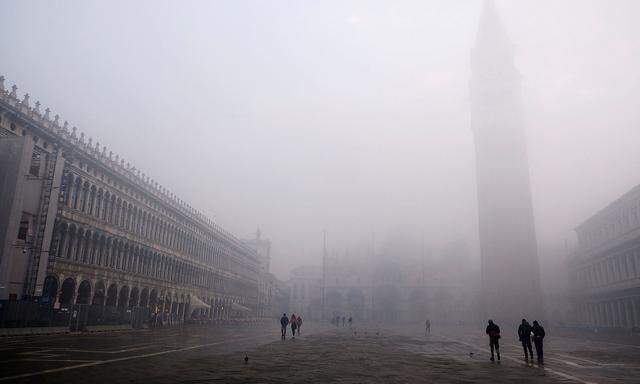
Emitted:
pixel 246 359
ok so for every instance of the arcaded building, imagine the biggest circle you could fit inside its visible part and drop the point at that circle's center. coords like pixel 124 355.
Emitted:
pixel 79 225
pixel 605 269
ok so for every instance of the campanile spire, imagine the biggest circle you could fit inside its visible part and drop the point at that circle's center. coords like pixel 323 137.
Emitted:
pixel 510 270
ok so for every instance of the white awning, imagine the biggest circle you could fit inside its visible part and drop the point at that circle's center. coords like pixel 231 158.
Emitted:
pixel 238 307
pixel 196 303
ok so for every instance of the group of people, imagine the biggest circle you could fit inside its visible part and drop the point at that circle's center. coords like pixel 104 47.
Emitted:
pixel 526 332
pixel 295 322
pixel 336 321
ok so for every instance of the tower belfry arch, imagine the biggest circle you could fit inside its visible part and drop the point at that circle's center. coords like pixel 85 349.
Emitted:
pixel 508 249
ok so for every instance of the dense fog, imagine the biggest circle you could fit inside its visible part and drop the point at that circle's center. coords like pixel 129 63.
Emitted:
pixel 346 116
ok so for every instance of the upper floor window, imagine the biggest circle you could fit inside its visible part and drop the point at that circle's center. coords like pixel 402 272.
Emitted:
pixel 23 231
pixel 34 168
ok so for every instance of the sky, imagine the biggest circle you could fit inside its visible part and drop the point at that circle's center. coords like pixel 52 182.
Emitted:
pixel 346 116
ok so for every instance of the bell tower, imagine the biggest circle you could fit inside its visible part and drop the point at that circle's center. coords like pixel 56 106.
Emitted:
pixel 510 270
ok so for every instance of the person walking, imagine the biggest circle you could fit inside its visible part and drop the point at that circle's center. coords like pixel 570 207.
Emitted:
pixel 299 322
pixel 284 321
pixel 343 320
pixel 427 327
pixel 494 336
pixel 538 336
pixel 294 324
pixel 350 321
pixel 524 335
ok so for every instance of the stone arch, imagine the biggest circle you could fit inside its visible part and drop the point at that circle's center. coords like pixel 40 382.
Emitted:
pixel 71 242
pixel 68 185
pixel 84 292
pixel 75 192
pixel 101 249
pixel 153 299
pixel 84 197
pixel 63 239
pixel 134 219
pixel 169 302
pixel 92 200
pixel 112 295
pixel 106 203
pixel 123 297
pixel 106 253
pixel 99 294
pixel 112 209
pixel 124 265
pixel 98 205
pixel 144 297
pixel 67 292
pixel 94 248
pixel 79 244
pixel 134 297
pixel 118 211
pixel 50 288
pixel 86 247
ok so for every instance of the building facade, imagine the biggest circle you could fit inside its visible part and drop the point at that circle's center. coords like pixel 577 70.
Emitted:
pixel 508 249
pixel 391 287
pixel 605 269
pixel 79 225
pixel 268 287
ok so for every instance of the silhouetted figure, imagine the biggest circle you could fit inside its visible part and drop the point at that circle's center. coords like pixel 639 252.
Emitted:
pixel 246 359
pixel 343 321
pixel 294 324
pixel 299 321
pixel 524 334
pixel 350 321
pixel 427 326
pixel 494 335
pixel 337 321
pixel 284 321
pixel 538 336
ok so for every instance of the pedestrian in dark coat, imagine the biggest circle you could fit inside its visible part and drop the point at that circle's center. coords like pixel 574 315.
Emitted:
pixel 538 336
pixel 284 321
pixel 494 336
pixel 524 334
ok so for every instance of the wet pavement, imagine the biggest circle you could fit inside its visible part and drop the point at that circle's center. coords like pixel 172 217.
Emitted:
pixel 198 354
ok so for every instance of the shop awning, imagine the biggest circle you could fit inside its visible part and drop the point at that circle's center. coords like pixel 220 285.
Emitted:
pixel 196 303
pixel 238 307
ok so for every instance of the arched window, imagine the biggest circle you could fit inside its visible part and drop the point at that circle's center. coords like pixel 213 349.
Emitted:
pixel 91 204
pixel 75 192
pixel 98 209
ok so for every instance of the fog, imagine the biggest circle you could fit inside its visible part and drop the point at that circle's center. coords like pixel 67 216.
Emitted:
pixel 350 117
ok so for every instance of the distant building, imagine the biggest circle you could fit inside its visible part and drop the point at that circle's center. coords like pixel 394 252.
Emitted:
pixel 268 293
pixel 262 248
pixel 605 269
pixel 393 287
pixel 305 291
